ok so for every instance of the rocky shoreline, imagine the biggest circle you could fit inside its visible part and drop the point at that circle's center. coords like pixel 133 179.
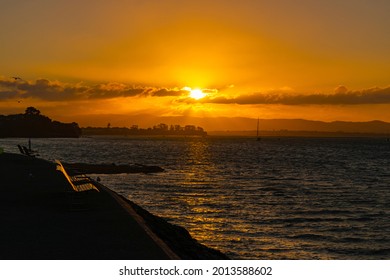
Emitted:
pixel 178 239
pixel 87 168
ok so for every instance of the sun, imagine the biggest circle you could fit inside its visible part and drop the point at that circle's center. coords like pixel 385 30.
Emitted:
pixel 197 94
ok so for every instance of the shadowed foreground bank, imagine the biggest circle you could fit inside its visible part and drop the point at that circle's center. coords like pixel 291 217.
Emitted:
pixel 37 222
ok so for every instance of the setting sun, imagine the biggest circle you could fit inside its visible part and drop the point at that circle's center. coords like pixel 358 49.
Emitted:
pixel 197 94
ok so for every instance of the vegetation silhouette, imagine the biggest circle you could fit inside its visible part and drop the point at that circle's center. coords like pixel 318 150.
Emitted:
pixel 33 124
pixel 157 130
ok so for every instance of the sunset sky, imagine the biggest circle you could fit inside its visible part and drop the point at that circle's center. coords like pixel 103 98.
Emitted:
pixel 319 60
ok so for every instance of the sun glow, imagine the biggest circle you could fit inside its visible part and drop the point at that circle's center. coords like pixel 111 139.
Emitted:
pixel 197 94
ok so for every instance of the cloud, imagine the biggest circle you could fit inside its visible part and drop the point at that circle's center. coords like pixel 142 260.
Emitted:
pixel 341 90
pixel 341 96
pixel 47 90
pixel 168 92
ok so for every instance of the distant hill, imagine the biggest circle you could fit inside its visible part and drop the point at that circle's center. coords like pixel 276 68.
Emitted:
pixel 336 126
pixel 32 124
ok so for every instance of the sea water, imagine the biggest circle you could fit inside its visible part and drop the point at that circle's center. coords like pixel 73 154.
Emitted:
pixel 278 198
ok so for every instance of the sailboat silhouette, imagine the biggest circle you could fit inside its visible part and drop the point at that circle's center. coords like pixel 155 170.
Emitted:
pixel 257 133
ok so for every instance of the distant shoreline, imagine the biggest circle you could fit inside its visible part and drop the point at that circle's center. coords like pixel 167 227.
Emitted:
pixel 248 134
pixel 292 133
pixel 160 130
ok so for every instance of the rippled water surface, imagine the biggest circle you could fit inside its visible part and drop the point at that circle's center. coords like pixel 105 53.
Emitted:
pixel 287 198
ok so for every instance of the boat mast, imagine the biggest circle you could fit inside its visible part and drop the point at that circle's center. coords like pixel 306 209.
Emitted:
pixel 257 133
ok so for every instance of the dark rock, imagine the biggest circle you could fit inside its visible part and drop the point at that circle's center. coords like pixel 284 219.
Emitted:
pixel 87 168
pixel 177 237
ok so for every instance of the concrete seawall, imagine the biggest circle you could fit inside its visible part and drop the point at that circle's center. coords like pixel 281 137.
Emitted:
pixel 39 222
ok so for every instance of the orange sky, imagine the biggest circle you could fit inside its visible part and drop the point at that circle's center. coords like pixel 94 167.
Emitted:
pixel 321 60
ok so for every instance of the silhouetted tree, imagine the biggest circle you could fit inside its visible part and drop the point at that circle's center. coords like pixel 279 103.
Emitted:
pixel 32 111
pixel 33 124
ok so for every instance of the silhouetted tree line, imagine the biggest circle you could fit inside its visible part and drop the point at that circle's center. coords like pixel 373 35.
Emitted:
pixel 161 129
pixel 33 124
